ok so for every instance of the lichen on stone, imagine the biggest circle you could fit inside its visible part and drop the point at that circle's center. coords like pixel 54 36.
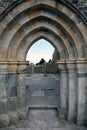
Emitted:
pixel 80 4
pixel 4 4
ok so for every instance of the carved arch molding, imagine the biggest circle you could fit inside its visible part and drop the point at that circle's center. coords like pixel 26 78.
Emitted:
pixel 66 29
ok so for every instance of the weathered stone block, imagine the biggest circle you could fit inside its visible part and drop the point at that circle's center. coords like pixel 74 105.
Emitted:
pixel 62 113
pixel 12 91
pixel 12 104
pixel 22 112
pixel 12 85
pixel 4 120
pixel 21 101
pixel 12 79
pixel 12 68
pixel 14 117
pixel 3 106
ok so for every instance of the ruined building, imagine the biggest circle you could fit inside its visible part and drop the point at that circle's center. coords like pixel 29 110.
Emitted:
pixel 63 23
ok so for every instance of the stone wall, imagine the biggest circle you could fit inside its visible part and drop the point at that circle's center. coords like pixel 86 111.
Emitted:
pixel 80 4
pixel 4 4
pixel 86 106
pixel 12 94
pixel 55 56
pixel 45 68
pixel 73 82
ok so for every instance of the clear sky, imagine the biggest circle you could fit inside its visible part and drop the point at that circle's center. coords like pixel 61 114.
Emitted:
pixel 40 49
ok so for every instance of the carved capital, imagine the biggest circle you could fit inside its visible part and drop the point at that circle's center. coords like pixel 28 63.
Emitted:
pixel 12 66
pixel 22 65
pixel 3 67
pixel 81 66
pixel 71 65
pixel 62 66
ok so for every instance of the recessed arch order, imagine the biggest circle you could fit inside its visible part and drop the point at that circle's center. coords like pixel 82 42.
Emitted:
pixel 42 19
pixel 62 25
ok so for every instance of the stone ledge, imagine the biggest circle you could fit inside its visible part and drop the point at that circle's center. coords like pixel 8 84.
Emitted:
pixel 72 61
pixel 79 65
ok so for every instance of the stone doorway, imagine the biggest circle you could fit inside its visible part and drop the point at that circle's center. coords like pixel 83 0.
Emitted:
pixel 27 21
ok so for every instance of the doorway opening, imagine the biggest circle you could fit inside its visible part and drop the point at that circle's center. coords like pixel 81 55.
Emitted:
pixel 42 57
pixel 41 49
pixel 42 83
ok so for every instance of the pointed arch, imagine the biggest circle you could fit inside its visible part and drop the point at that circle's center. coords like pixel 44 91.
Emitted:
pixel 16 24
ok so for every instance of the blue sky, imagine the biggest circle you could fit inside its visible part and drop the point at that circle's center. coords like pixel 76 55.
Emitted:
pixel 40 49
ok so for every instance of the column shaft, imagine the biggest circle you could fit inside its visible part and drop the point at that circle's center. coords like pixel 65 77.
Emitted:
pixel 81 101
pixel 63 90
pixel 22 96
pixel 12 91
pixel 86 108
pixel 81 93
pixel 71 111
pixel 12 97
pixel 4 119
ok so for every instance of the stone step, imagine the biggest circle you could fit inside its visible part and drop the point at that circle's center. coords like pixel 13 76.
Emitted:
pixel 67 128
pixel 44 119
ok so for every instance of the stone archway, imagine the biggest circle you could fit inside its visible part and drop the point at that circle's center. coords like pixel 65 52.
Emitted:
pixel 42 80
pixel 63 26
